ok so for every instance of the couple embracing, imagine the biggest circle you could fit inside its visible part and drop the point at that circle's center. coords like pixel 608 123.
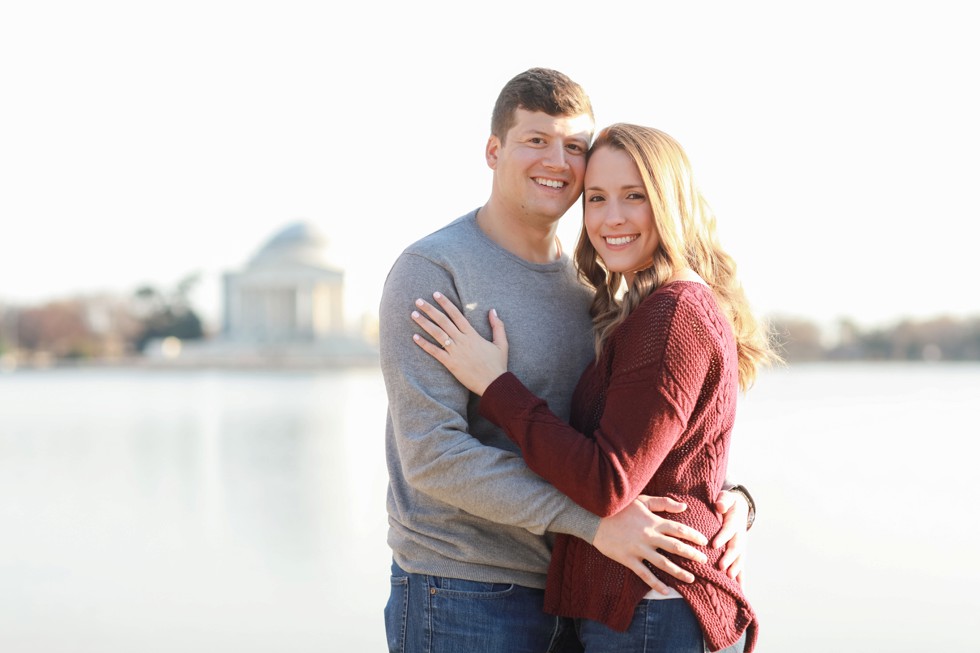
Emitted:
pixel 558 426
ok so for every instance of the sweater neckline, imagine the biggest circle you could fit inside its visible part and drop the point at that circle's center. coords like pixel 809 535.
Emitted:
pixel 557 265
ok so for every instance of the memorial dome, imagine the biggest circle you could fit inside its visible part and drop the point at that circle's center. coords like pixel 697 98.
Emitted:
pixel 298 243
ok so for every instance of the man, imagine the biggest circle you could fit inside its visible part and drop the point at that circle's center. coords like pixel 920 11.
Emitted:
pixel 468 521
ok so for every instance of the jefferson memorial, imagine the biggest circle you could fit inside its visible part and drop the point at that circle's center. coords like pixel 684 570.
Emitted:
pixel 284 308
pixel 288 292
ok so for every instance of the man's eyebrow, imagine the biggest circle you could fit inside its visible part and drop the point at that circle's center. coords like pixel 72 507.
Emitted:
pixel 533 131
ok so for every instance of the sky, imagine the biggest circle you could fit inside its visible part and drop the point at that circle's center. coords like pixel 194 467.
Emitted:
pixel 143 142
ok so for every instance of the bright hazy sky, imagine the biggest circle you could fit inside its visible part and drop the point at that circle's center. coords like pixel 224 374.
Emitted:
pixel 141 142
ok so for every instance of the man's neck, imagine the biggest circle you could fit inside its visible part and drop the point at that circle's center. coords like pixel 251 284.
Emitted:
pixel 519 235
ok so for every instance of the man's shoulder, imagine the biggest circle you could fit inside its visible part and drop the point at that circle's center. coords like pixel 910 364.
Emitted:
pixel 459 236
pixel 434 257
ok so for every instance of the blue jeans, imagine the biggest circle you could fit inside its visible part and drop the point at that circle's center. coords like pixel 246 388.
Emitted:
pixel 432 614
pixel 658 626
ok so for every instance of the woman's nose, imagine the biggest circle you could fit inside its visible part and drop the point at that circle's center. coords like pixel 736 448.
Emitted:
pixel 614 215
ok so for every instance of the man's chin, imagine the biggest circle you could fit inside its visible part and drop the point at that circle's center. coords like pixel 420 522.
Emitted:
pixel 555 210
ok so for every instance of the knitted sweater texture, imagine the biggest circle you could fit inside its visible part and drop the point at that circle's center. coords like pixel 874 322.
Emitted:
pixel 652 415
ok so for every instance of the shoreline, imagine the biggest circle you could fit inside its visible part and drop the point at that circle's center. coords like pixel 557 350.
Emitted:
pixel 262 363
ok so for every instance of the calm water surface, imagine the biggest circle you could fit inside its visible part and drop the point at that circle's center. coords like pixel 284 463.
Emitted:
pixel 218 511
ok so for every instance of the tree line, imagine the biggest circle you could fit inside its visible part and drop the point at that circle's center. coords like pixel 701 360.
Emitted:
pixel 111 327
pixel 941 338
pixel 99 327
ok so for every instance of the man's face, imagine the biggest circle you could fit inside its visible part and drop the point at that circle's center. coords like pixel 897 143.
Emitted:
pixel 540 166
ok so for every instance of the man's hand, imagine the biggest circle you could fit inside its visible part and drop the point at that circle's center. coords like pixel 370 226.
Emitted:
pixel 634 535
pixel 733 509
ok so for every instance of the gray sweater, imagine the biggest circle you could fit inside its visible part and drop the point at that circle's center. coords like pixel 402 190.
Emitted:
pixel 461 501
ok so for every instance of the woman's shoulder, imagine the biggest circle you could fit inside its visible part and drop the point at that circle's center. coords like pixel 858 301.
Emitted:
pixel 673 316
pixel 681 294
pixel 679 306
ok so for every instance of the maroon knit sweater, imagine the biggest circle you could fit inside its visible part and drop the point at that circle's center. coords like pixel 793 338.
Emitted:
pixel 652 415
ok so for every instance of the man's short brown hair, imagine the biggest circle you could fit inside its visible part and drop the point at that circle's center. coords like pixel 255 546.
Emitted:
pixel 538 89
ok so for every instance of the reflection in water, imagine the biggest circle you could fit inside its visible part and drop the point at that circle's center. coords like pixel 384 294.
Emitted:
pixel 191 510
pixel 217 511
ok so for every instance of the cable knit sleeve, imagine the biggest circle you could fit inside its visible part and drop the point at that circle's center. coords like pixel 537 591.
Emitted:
pixel 658 364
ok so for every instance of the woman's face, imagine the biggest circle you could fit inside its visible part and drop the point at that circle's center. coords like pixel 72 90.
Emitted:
pixel 618 214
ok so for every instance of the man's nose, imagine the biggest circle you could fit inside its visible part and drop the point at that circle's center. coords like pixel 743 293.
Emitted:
pixel 556 157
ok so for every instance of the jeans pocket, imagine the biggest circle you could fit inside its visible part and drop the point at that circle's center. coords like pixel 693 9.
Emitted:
pixel 396 614
pixel 467 616
pixel 469 589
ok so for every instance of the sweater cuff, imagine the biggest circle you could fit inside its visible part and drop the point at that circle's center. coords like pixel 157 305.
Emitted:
pixel 577 522
pixel 504 397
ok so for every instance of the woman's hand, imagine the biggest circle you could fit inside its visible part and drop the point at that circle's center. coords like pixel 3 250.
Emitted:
pixel 472 359
pixel 733 509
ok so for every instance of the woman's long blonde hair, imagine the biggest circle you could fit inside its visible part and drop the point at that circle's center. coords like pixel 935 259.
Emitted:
pixel 688 238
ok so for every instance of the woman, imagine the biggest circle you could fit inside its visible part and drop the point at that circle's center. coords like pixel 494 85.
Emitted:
pixel 653 414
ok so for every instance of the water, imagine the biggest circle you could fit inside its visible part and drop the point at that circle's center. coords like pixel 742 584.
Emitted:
pixel 209 511
pixel 866 476
pixel 159 511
